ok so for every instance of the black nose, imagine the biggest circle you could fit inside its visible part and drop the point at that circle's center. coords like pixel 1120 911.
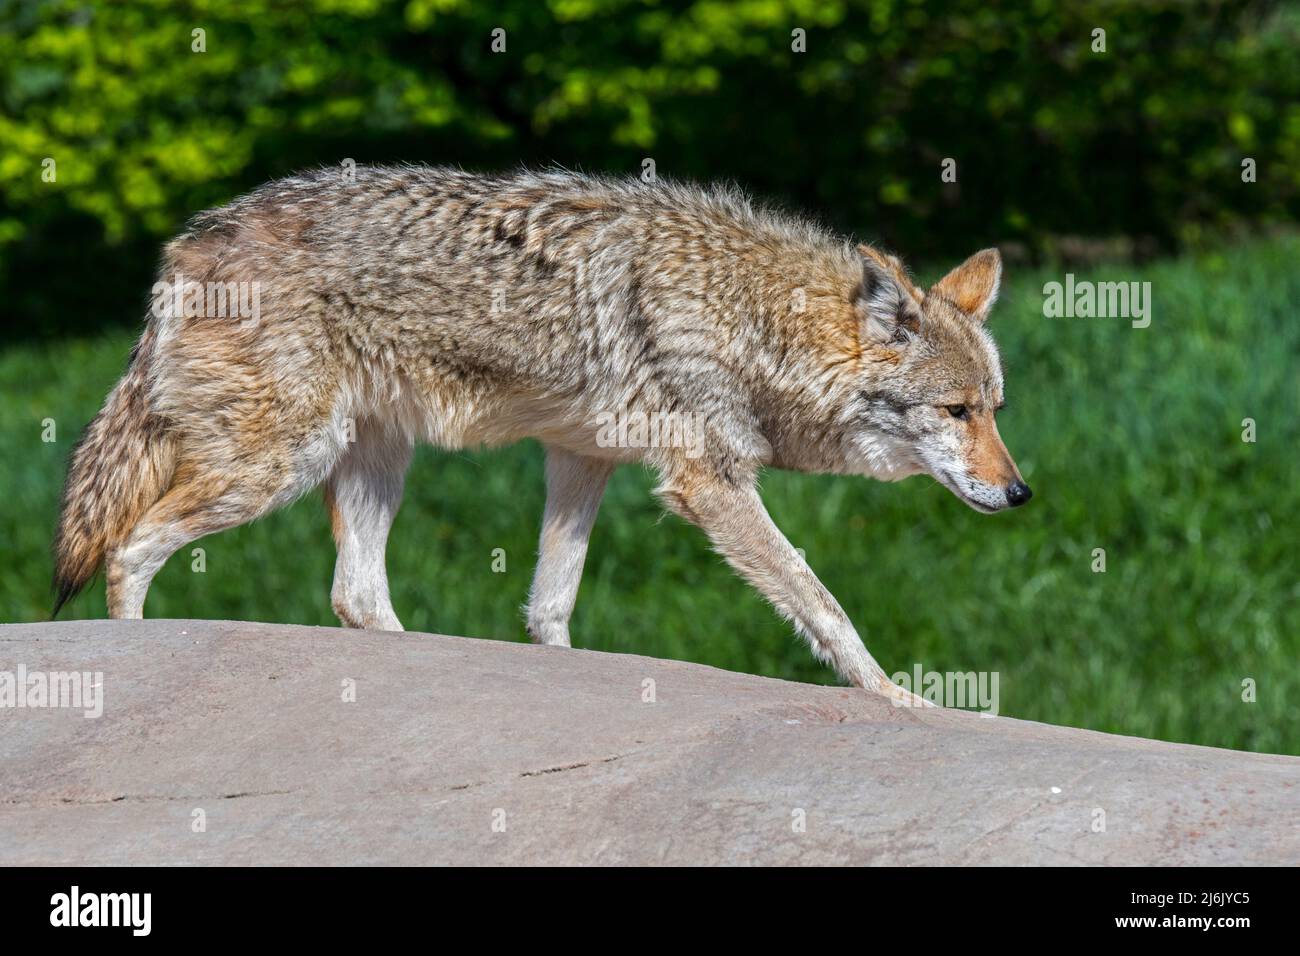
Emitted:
pixel 1018 493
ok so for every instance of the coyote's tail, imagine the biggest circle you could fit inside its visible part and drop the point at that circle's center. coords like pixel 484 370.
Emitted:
pixel 122 465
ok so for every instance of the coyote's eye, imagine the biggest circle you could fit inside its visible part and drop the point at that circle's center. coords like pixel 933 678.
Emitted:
pixel 958 411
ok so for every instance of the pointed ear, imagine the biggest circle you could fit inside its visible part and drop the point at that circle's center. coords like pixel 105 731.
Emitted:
pixel 973 286
pixel 894 266
pixel 887 311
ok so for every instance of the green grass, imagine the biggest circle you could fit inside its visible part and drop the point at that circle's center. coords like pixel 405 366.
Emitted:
pixel 1131 439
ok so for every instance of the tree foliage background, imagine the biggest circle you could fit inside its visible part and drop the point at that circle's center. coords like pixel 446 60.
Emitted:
pixel 1051 138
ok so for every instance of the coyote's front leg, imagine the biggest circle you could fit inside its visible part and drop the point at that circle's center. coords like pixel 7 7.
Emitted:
pixel 733 517
pixel 574 487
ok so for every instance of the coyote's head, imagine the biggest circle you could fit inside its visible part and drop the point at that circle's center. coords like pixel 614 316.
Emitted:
pixel 934 382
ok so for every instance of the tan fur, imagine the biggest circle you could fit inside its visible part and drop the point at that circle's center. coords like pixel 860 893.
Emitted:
pixel 989 459
pixel 415 304
pixel 972 287
pixel 122 464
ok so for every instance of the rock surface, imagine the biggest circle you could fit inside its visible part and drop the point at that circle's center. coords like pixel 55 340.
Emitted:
pixel 485 752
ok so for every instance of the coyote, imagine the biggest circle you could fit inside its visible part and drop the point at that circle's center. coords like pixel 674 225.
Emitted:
pixel 405 304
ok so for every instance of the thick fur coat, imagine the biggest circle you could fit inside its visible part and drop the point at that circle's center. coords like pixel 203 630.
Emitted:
pixel 414 304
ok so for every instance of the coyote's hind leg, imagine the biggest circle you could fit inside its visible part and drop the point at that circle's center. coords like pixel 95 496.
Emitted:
pixel 196 505
pixel 574 487
pixel 363 494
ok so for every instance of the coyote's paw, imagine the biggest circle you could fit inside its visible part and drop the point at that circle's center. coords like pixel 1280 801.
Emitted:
pixel 555 634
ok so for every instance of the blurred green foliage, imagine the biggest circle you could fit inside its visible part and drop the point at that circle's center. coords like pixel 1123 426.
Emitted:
pixel 1050 137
